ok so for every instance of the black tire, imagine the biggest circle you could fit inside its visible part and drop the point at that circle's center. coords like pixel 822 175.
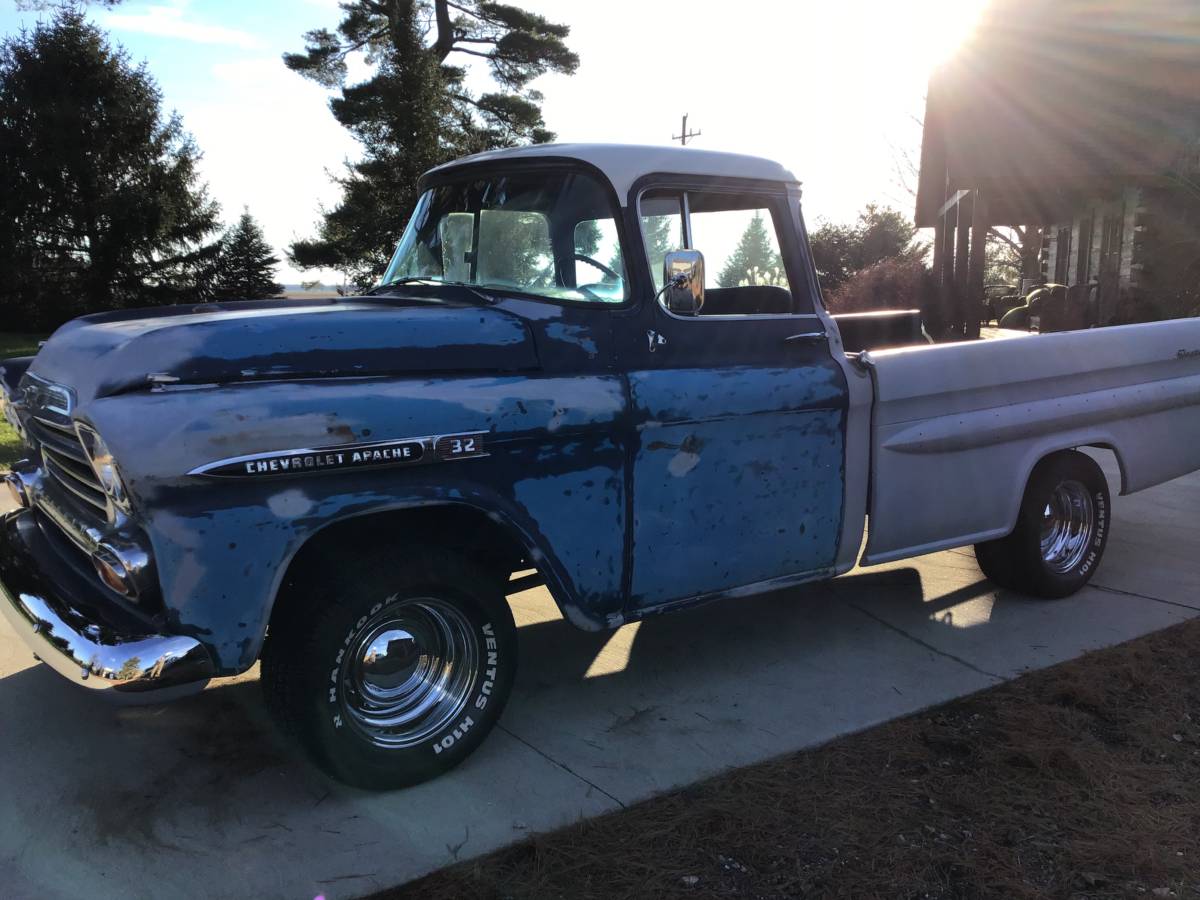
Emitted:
pixel 1061 532
pixel 995 562
pixel 330 681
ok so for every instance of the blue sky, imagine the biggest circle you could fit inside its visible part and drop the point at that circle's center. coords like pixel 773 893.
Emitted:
pixel 832 90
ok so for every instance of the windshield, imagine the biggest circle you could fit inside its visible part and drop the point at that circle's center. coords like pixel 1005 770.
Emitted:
pixel 549 233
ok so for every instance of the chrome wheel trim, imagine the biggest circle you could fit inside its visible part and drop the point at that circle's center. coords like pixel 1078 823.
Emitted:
pixel 1068 524
pixel 408 672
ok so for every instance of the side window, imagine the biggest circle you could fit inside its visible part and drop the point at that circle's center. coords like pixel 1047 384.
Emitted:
pixel 739 238
pixel 599 265
pixel 662 229
pixel 740 247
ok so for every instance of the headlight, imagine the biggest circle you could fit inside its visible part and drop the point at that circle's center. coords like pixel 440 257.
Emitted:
pixel 104 466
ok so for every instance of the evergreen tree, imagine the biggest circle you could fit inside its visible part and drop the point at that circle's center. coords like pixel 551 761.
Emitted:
pixel 245 267
pixel 102 206
pixel 415 111
pixel 880 233
pixel 587 238
pixel 754 261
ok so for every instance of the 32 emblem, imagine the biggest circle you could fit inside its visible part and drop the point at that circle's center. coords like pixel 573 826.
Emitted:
pixel 456 446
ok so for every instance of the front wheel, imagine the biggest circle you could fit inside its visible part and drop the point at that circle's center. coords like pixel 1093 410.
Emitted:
pixel 396 675
pixel 1061 530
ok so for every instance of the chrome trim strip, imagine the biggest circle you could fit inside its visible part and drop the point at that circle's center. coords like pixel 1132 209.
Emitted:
pixel 81 533
pixel 72 465
pixel 432 450
pixel 64 477
pixel 58 441
pixel 57 426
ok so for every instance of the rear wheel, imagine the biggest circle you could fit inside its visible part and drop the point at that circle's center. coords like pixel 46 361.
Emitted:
pixel 396 674
pixel 1061 530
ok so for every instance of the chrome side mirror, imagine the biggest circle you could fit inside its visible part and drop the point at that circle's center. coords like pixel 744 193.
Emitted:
pixel 683 281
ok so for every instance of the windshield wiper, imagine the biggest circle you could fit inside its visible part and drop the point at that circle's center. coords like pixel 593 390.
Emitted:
pixel 407 279
pixel 424 280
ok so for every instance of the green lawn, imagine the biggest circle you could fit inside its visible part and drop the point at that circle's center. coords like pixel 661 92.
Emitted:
pixel 14 344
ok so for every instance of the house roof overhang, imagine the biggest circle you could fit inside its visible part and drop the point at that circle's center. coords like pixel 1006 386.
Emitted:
pixel 1051 101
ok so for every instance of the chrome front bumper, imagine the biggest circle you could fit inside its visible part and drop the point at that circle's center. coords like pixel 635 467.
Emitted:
pixel 71 626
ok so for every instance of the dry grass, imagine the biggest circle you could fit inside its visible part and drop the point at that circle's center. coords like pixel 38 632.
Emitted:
pixel 1078 781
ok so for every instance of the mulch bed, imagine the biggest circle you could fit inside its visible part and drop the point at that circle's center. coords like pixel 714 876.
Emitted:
pixel 1082 780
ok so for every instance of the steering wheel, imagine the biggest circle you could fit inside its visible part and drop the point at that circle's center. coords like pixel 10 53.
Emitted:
pixel 579 257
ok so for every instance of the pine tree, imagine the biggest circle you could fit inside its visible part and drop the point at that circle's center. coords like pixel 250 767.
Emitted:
pixel 245 267
pixel 415 111
pixel 755 260
pixel 102 206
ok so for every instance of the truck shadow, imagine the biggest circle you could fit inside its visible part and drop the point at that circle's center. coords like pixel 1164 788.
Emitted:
pixel 749 632
pixel 130 772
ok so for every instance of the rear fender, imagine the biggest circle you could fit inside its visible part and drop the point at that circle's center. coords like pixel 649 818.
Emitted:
pixel 958 428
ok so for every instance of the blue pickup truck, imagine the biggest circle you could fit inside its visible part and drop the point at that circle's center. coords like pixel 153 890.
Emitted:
pixel 545 378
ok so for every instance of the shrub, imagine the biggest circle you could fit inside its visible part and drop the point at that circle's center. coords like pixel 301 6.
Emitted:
pixel 891 284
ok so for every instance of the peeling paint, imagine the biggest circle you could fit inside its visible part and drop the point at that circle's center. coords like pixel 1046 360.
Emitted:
pixel 289 504
pixel 682 463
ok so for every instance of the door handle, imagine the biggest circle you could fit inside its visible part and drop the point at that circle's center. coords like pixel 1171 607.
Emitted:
pixel 806 337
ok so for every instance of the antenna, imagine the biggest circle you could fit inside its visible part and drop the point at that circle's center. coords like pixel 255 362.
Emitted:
pixel 684 134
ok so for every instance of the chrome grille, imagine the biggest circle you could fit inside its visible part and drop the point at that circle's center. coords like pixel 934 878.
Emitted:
pixel 65 460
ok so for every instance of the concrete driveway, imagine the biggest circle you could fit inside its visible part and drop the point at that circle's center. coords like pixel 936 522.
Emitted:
pixel 201 799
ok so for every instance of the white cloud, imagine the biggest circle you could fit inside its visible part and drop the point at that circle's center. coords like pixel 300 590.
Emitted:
pixel 171 21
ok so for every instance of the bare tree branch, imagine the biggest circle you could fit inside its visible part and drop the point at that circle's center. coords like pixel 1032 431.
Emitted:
pixel 1005 239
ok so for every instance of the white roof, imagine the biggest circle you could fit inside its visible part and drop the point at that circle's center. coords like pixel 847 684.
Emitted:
pixel 626 163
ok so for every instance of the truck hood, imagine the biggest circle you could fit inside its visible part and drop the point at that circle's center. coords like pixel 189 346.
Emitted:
pixel 111 353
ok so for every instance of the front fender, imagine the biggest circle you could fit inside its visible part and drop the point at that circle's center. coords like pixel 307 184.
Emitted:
pixel 554 474
pixel 222 569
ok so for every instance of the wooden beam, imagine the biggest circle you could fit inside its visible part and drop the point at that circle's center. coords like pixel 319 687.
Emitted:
pixel 961 262
pixel 939 248
pixel 962 247
pixel 980 223
pixel 952 202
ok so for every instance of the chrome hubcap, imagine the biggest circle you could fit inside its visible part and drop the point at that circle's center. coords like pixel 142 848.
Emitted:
pixel 1067 524
pixel 408 672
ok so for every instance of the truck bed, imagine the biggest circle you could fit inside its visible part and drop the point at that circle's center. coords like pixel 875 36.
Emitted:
pixel 957 428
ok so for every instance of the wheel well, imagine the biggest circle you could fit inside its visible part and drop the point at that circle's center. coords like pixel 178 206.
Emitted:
pixel 1097 452
pixel 1106 450
pixel 460 527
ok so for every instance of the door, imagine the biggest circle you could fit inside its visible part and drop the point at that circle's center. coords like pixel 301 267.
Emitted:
pixel 738 412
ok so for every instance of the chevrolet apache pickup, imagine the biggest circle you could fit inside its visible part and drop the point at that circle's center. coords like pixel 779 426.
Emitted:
pixel 543 379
